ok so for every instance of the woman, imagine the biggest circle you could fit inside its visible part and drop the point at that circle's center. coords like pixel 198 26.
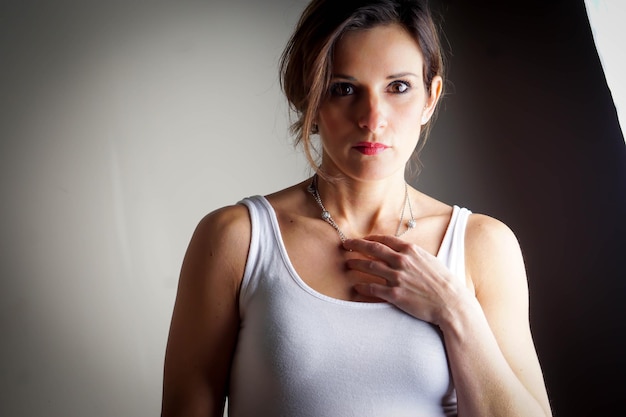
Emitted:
pixel 353 294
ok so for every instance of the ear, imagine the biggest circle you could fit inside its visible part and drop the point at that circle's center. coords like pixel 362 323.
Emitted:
pixel 436 86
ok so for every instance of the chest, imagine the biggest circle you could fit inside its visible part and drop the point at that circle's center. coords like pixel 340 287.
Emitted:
pixel 316 253
pixel 311 353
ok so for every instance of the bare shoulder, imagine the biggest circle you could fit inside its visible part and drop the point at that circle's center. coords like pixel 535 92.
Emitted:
pixel 223 235
pixel 493 254
pixel 494 261
pixel 485 230
pixel 217 252
pixel 214 264
pixel 227 225
pixel 205 321
pixel 288 197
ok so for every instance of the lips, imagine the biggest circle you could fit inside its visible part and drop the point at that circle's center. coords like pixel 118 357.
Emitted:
pixel 370 148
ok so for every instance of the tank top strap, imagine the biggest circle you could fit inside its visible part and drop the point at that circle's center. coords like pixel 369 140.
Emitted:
pixel 452 249
pixel 260 243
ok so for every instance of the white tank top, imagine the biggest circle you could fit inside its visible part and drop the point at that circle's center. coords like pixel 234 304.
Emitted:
pixel 303 354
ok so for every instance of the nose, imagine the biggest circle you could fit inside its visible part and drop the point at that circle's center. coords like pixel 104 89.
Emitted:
pixel 372 115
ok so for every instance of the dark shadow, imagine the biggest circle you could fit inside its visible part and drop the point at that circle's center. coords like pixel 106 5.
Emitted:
pixel 528 134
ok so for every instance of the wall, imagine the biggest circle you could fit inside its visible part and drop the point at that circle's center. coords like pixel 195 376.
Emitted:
pixel 605 19
pixel 122 124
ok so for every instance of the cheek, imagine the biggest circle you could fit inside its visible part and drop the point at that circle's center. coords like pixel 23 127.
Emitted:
pixel 409 118
pixel 332 120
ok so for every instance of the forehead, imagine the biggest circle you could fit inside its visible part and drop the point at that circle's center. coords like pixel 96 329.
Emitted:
pixel 387 48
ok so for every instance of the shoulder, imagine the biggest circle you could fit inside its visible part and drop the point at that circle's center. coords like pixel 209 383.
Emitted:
pixel 220 243
pixel 230 224
pixel 492 254
pixel 294 194
pixel 205 320
pixel 290 203
pixel 485 230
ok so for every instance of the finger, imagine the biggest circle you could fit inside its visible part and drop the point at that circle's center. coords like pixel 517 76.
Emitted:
pixel 400 246
pixel 375 290
pixel 392 295
pixel 367 247
pixel 401 255
pixel 372 267
pixel 392 242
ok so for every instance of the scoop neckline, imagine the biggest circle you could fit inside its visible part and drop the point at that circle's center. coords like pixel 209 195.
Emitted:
pixel 310 290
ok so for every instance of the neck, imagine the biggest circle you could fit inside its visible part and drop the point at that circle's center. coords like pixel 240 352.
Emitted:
pixel 368 207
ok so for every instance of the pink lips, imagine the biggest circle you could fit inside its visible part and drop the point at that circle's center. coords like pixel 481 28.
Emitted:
pixel 370 148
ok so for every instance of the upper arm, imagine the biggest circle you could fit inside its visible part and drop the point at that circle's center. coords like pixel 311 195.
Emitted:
pixel 205 320
pixel 496 268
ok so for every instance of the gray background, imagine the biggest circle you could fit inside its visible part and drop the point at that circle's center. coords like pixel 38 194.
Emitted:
pixel 122 123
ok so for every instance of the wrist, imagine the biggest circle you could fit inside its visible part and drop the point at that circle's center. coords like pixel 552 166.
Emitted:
pixel 458 314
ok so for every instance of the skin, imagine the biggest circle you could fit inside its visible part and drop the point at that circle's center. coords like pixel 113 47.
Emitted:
pixel 378 95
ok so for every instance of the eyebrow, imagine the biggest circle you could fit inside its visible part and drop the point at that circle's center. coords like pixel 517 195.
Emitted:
pixel 344 77
pixel 389 77
pixel 402 75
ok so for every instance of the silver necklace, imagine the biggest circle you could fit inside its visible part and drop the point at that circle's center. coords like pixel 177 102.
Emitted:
pixel 410 224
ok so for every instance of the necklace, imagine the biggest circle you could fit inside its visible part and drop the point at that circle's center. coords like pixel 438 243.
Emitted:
pixel 410 224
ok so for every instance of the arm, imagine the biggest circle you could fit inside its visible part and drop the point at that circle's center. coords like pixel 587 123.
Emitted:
pixel 491 354
pixel 488 339
pixel 205 320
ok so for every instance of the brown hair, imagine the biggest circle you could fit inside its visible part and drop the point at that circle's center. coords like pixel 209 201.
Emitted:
pixel 306 62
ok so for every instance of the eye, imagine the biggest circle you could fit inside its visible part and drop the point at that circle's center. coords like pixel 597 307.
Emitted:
pixel 341 89
pixel 399 87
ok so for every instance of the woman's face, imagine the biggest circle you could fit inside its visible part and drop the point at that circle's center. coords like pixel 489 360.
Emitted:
pixel 371 120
